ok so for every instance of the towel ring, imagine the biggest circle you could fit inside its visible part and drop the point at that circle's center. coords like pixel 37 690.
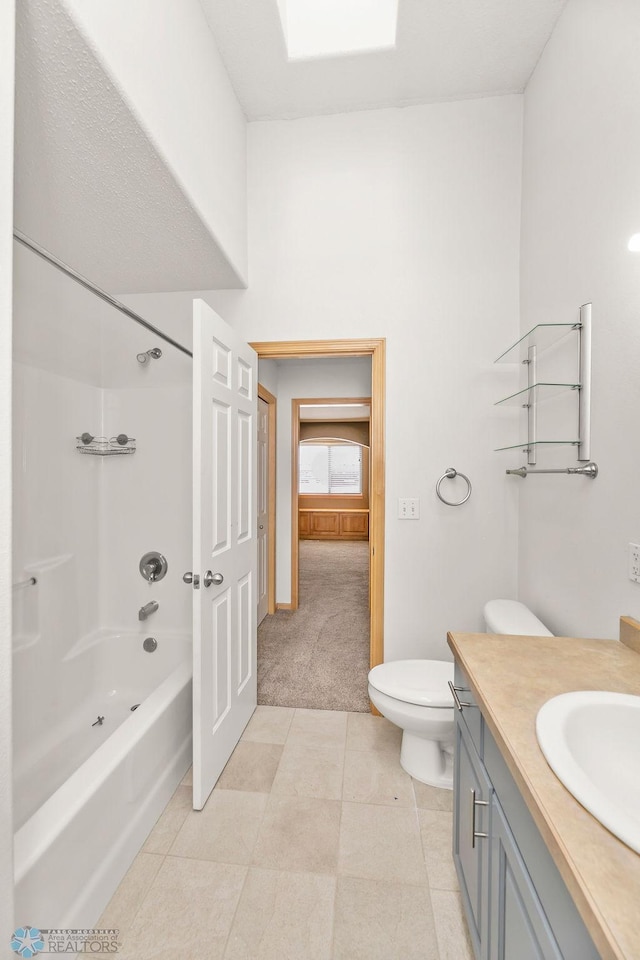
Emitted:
pixel 449 474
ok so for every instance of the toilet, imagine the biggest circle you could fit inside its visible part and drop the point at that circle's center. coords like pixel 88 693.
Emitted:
pixel 414 694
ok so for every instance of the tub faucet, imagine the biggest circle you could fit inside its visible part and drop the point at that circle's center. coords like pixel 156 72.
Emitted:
pixel 148 609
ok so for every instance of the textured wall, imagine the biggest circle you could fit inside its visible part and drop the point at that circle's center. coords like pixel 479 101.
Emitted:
pixel 130 155
pixel 164 59
pixel 581 203
pixel 6 222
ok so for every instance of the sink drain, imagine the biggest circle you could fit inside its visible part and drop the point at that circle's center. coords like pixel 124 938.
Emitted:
pixel 135 706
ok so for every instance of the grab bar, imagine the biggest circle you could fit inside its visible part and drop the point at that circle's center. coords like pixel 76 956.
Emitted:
pixel 31 582
pixel 589 470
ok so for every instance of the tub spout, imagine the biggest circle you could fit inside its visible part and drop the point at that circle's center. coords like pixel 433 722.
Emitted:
pixel 148 609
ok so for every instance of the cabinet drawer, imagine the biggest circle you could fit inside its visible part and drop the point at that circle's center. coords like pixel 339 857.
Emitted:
pixel 470 715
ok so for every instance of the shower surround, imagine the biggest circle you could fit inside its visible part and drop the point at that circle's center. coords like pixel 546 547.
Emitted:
pixel 91 775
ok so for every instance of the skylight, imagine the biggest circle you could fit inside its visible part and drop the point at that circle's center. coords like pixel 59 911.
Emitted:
pixel 333 28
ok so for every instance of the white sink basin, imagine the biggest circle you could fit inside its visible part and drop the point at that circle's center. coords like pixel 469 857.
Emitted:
pixel 591 740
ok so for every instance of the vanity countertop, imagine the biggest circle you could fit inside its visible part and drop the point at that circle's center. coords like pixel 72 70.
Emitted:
pixel 511 678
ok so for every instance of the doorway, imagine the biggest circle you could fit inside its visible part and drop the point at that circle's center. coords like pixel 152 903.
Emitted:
pixel 331 349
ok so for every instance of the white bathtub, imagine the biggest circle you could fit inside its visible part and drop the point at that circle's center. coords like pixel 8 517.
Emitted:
pixel 89 795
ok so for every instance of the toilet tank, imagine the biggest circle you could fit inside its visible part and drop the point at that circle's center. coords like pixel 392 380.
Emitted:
pixel 512 617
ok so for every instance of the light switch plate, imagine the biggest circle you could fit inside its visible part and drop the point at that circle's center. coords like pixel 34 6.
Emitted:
pixel 408 508
pixel 634 562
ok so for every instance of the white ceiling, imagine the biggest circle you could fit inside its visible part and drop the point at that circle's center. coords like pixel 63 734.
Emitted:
pixel 446 50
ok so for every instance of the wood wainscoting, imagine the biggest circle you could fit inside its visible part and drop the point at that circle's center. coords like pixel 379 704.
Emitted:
pixel 327 524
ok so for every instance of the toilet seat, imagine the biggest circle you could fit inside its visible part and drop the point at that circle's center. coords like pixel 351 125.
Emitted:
pixel 423 682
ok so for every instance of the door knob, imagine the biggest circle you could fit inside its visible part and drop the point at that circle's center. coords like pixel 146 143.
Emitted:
pixel 210 578
pixel 193 578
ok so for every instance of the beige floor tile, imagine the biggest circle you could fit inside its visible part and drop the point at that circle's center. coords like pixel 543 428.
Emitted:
pixel 380 842
pixel 269 724
pixel 187 780
pixel 283 915
pixel 252 766
pixel 318 728
pixel 436 829
pixel 432 798
pixel 366 732
pixel 307 771
pixel 134 886
pixel 226 829
pixel 299 834
pixel 171 819
pixel 451 927
pixel 375 776
pixel 187 913
pixel 377 920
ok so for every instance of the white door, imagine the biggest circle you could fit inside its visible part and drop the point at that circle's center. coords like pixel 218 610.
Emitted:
pixel 224 544
pixel 263 509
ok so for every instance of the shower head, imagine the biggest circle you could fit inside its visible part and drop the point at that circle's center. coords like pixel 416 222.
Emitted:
pixel 155 352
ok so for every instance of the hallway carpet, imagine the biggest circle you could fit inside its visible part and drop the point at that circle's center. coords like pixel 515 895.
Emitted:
pixel 318 656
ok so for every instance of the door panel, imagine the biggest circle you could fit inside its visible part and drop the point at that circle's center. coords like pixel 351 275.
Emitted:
pixel 224 544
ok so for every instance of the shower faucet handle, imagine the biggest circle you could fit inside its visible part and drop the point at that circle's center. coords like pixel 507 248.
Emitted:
pixel 153 566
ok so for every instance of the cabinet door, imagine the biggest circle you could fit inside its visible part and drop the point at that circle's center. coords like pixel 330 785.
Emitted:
pixel 518 926
pixel 470 852
pixel 325 524
pixel 304 525
pixel 354 526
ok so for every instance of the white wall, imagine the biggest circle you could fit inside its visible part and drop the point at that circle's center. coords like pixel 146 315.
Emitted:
pixel 7 13
pixel 309 380
pixel 164 59
pixel 581 203
pixel 268 375
pixel 401 224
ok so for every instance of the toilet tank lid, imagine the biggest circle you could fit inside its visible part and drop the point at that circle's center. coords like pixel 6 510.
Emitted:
pixel 513 617
pixel 415 681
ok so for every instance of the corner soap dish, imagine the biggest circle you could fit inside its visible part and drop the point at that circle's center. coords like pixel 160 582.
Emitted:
pixel 105 446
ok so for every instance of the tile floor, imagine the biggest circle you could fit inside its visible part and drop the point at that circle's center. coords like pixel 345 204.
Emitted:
pixel 314 845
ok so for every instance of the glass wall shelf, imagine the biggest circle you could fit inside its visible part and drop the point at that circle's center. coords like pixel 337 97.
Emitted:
pixel 539 443
pixel 542 336
pixel 536 393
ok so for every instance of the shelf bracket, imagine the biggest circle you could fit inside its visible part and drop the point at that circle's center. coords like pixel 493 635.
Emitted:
pixel 584 405
pixel 532 416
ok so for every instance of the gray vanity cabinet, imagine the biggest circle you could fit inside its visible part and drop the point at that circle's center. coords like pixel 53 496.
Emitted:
pixel 518 927
pixel 515 901
pixel 472 790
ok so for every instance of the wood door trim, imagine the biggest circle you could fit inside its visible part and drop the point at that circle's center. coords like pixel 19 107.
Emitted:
pixel 271 401
pixel 376 349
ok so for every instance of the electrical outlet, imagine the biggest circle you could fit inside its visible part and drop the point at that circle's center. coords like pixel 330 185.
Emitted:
pixel 634 562
pixel 408 508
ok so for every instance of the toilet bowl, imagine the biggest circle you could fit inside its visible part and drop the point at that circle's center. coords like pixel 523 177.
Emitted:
pixel 414 694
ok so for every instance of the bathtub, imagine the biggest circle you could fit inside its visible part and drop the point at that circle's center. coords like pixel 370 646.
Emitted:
pixel 87 794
